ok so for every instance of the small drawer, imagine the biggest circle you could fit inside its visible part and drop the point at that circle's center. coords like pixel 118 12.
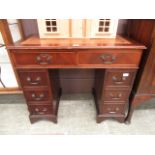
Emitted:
pixel 37 95
pixel 33 78
pixel 111 58
pixel 40 109
pixel 116 95
pixel 113 109
pixel 43 58
pixel 118 78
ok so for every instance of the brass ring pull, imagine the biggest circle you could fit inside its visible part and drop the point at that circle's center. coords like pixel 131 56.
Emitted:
pixel 40 97
pixel 35 82
pixel 36 109
pixel 116 97
pixel 113 112
pixel 44 59
pixel 41 111
pixel 108 58
pixel 44 109
pixel 117 108
pixel 117 81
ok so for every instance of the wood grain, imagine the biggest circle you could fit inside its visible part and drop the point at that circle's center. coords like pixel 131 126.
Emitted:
pixel 37 57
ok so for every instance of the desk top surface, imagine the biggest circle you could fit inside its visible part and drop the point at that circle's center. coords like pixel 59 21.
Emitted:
pixel 35 42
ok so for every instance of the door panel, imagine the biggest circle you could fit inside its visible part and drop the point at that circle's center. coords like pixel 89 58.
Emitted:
pixel 7 75
pixel 148 80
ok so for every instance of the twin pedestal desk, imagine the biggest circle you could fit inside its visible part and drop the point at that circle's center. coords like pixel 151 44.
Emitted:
pixel 37 63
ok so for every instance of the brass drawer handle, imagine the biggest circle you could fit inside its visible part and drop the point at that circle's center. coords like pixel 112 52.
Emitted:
pixel 117 97
pixel 35 82
pixel 108 58
pixel 36 109
pixel 40 111
pixel 44 59
pixel 41 96
pixel 117 109
pixel 117 81
pixel 113 112
pixel 44 109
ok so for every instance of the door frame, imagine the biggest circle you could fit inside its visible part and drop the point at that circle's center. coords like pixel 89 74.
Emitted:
pixel 6 34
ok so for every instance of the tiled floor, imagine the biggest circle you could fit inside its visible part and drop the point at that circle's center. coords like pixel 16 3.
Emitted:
pixel 76 116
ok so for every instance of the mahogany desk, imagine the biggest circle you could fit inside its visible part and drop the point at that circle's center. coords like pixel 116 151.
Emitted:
pixel 37 62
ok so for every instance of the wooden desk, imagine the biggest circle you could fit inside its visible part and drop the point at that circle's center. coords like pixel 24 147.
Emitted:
pixel 37 62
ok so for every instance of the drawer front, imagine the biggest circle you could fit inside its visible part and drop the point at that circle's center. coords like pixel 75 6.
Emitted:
pixel 37 95
pixel 111 58
pixel 40 109
pixel 44 58
pixel 116 95
pixel 113 109
pixel 119 78
pixel 33 78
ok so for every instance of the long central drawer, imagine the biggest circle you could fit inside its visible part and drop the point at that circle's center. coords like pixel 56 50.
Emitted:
pixel 89 58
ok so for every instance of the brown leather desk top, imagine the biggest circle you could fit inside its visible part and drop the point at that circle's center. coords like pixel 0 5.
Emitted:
pixel 70 43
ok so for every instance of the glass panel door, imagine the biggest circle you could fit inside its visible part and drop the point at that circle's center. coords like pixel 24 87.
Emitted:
pixel 7 76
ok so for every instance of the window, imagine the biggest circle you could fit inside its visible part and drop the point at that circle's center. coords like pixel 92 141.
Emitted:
pixel 101 28
pixel 104 25
pixel 77 28
pixel 53 28
pixel 51 25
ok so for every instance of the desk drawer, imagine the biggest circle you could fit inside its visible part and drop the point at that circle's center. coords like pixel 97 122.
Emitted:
pixel 37 95
pixel 33 78
pixel 111 58
pixel 119 77
pixel 113 109
pixel 40 109
pixel 39 59
pixel 116 95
